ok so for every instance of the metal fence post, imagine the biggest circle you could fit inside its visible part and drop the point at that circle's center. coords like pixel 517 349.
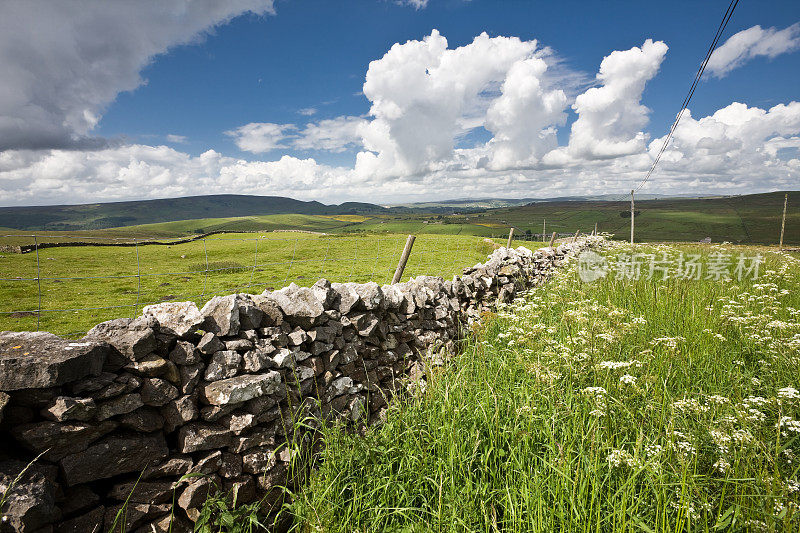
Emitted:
pixel 39 283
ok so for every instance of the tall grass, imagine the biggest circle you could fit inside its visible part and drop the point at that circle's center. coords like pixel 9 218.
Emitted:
pixel 619 405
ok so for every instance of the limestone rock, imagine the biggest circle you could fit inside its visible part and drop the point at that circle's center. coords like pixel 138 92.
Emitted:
pixel 222 315
pixel 241 388
pixel 119 406
pixel 185 353
pixel 300 305
pixel 64 408
pixel 31 360
pixel 142 420
pixel 113 456
pixel 60 438
pixel 157 392
pixel 177 318
pixel 195 437
pixel 132 337
pixel 31 503
pixel 224 364
pixel 209 344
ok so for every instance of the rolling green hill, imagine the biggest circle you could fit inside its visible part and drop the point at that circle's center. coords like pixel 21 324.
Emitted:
pixel 117 214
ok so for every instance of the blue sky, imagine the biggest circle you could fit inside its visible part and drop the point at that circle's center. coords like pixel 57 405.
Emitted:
pixel 200 74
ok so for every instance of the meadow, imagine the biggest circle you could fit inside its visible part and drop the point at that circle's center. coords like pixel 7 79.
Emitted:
pixel 83 285
pixel 666 405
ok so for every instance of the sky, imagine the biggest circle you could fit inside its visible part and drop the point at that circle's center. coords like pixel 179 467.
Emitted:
pixel 393 101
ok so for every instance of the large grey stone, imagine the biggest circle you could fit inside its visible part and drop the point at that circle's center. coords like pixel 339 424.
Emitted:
pixel 180 411
pixel 4 399
pixel 37 360
pixel 195 437
pixel 209 344
pixel 370 295
pixel 347 296
pixel 31 503
pixel 300 305
pixel 113 456
pixel 177 318
pixel 241 388
pixel 119 406
pixel 224 364
pixel 157 392
pixel 60 438
pixel 132 337
pixel 64 408
pixel 185 353
pixel 222 315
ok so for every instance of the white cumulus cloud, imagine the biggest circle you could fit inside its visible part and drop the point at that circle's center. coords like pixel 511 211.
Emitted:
pixel 62 63
pixel 751 43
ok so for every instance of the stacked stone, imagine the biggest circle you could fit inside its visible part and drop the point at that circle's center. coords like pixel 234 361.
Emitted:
pixel 143 402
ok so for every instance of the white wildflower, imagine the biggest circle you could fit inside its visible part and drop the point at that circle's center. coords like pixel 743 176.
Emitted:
pixel 627 379
pixel 788 393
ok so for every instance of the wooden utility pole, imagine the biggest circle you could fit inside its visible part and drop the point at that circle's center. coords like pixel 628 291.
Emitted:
pixel 783 220
pixel 552 239
pixel 632 216
pixel 544 228
pixel 403 259
pixel 510 236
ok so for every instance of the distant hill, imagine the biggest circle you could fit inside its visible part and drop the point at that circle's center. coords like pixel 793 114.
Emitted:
pixel 116 214
pixel 476 204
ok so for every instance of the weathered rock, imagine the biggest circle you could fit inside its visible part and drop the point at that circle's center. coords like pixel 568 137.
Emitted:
pixel 258 359
pixel 209 344
pixel 138 491
pixel 258 461
pixel 273 316
pixel 300 305
pixel 60 438
pixel 230 466
pixel 177 318
pixel 194 437
pixel 238 345
pixel 4 399
pixel 143 420
pixel 297 337
pixel 31 503
pixel 119 406
pixel 113 456
pixel 64 408
pixel 132 337
pixel 222 315
pixel 193 496
pixel 89 521
pixel 223 365
pixel 190 377
pixel 154 366
pixel 133 515
pixel 185 353
pixel 347 296
pixel 241 388
pixel 178 412
pixel 157 392
pixel 31 360
pixel 242 489
pixel 370 295
pixel 175 466
pixel 208 464
pixel 250 315
pixel 284 358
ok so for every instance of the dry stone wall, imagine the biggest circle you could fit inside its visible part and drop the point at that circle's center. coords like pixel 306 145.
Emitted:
pixel 217 391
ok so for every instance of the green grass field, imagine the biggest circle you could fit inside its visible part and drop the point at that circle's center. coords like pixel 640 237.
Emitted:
pixel 619 405
pixel 83 285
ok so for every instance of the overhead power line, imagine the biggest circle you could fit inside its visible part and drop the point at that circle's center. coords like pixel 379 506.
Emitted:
pixel 720 31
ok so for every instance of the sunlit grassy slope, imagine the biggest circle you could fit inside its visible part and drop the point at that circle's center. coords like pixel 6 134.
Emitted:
pixel 117 281
pixel 650 405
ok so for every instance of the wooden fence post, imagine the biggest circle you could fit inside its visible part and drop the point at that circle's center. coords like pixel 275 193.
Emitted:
pixel 552 239
pixel 575 238
pixel 510 236
pixel 783 220
pixel 632 216
pixel 401 266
